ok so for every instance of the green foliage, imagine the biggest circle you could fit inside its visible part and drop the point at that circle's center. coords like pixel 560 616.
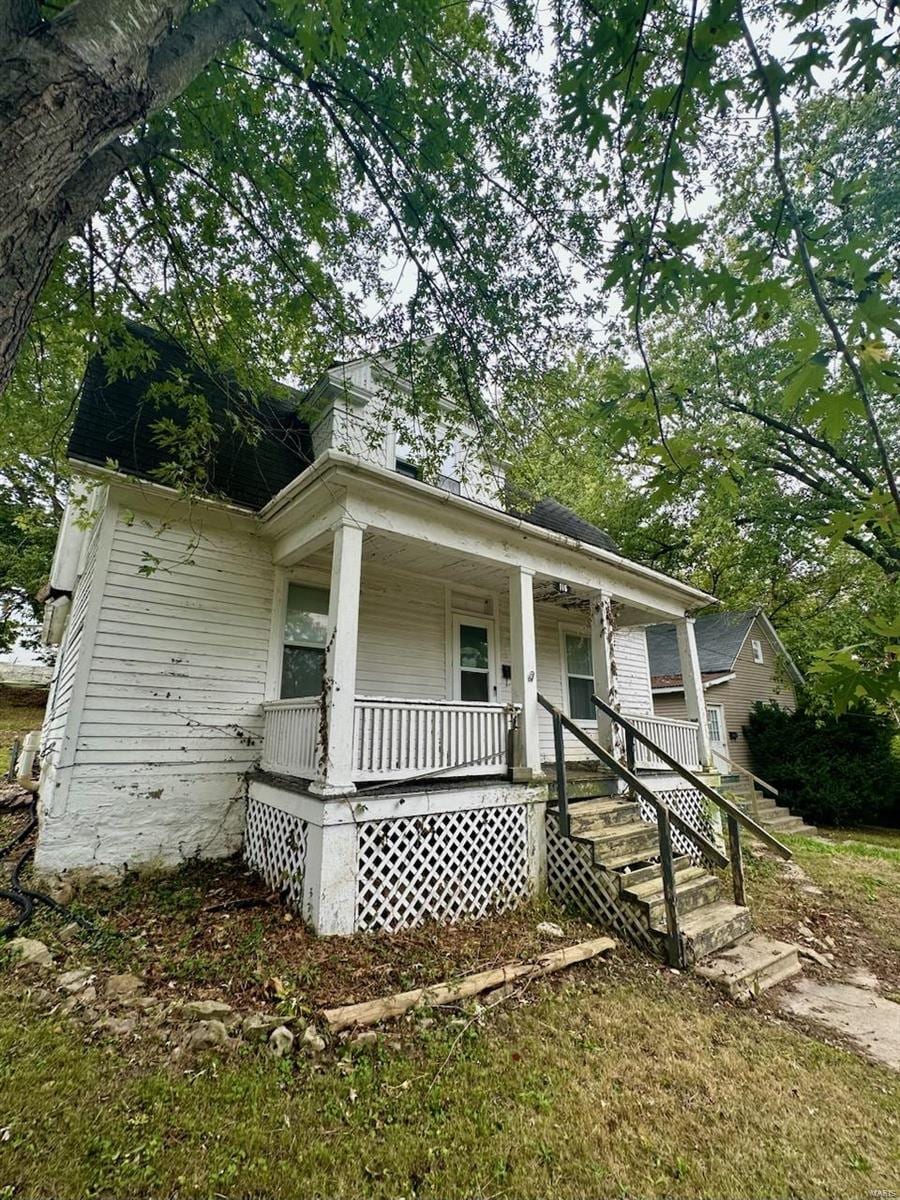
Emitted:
pixel 834 769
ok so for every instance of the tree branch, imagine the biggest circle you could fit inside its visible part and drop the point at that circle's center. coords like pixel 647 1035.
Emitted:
pixel 808 269
pixel 203 34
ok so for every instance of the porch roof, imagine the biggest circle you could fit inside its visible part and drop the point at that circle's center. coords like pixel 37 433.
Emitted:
pixel 352 489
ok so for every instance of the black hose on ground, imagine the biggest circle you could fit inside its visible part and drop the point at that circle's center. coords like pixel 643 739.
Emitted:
pixel 21 897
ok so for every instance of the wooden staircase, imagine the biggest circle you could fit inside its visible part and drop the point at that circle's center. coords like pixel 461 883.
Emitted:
pixel 642 862
pixel 625 849
pixel 770 814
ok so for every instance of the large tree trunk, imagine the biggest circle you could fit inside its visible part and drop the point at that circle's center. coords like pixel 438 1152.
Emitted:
pixel 70 90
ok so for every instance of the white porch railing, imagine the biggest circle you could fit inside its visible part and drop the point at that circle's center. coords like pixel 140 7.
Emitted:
pixel 678 738
pixel 395 739
pixel 291 736
pixel 392 738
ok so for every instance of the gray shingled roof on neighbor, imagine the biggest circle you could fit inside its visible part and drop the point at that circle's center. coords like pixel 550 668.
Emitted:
pixel 552 515
pixel 719 640
pixel 116 420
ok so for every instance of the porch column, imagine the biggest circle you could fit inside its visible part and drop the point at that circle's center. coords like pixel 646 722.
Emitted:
pixel 609 735
pixel 694 696
pixel 339 692
pixel 527 763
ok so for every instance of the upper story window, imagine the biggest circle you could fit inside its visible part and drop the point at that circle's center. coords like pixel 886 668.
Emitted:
pixel 403 467
pixel 757 648
pixel 305 634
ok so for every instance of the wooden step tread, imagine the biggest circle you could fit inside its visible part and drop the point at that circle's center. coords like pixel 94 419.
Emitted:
pixel 650 889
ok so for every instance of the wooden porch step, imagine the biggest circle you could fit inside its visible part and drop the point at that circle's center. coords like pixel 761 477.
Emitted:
pixel 589 816
pixel 694 888
pixel 620 845
pixel 714 926
pixel 653 871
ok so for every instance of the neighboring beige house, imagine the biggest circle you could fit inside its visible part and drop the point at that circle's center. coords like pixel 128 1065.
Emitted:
pixel 742 661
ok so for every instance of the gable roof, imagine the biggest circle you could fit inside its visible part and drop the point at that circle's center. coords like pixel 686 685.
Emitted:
pixel 719 637
pixel 116 420
pixel 550 514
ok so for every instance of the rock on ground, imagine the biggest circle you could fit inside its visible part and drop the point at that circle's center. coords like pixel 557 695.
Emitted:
pixel 123 987
pixel 207 1035
pixel 281 1041
pixel 312 1041
pixel 75 980
pixel 551 929
pixel 257 1027
pixel 206 1010
pixel 30 952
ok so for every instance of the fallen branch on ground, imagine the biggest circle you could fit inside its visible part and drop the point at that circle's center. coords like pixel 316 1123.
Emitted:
pixel 369 1012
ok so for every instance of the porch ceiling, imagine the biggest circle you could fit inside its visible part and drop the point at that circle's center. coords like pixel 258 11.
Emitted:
pixel 417 558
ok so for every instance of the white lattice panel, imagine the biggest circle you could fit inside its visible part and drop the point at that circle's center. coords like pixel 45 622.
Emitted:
pixel 441 867
pixel 275 845
pixel 691 805
pixel 578 884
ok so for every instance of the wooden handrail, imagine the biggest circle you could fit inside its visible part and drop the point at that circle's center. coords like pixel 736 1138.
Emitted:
pixel 732 810
pixel 766 787
pixel 637 785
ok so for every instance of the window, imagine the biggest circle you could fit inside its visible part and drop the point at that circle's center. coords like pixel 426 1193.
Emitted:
pixel 474 663
pixel 305 633
pixel 402 467
pixel 580 675
pixel 756 647
pixel 449 484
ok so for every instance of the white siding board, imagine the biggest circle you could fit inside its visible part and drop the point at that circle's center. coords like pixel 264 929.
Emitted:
pixel 172 713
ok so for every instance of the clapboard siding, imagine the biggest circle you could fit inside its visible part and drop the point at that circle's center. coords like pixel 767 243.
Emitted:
pixel 402 637
pixel 218 642
pixel 632 665
pixel 171 715
pixel 752 682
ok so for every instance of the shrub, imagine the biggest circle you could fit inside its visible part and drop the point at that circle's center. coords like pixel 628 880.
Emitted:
pixel 833 770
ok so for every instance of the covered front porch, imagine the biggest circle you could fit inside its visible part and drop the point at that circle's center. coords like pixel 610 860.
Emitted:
pixel 412 632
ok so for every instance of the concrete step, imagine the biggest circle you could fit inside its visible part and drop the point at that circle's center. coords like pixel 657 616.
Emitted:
pixel 714 926
pixel 753 964
pixel 619 845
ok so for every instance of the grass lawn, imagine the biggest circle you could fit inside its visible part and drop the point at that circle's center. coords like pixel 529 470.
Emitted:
pixel 16 719
pixel 621 1080
pixel 616 1078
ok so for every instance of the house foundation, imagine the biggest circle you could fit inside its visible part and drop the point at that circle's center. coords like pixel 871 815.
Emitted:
pixel 391 859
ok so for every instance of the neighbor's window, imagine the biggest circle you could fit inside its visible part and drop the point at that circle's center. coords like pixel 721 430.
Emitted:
pixel 305 631
pixel 756 647
pixel 580 673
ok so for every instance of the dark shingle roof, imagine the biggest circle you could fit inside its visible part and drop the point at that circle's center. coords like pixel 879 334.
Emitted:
pixel 719 640
pixel 550 514
pixel 116 418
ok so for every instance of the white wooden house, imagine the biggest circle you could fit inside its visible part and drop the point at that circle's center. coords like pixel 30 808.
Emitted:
pixel 335 663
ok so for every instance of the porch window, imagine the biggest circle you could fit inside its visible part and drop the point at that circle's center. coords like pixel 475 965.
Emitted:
pixel 474 663
pixel 580 676
pixel 305 631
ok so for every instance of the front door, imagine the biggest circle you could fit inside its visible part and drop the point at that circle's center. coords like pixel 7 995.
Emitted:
pixel 715 716
pixel 473 655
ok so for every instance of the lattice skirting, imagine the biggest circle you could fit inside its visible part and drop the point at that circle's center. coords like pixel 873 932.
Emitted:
pixel 275 845
pixel 576 882
pixel 691 805
pixel 441 867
